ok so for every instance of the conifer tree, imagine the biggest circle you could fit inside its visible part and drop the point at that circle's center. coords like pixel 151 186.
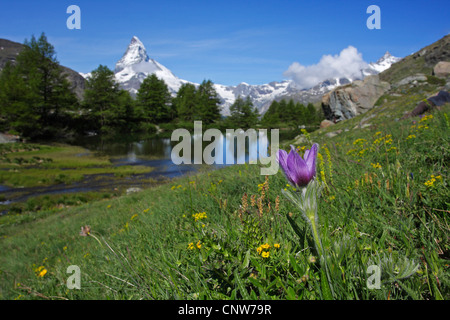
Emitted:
pixel 101 94
pixel 208 109
pixel 35 91
pixel 185 103
pixel 271 117
pixel 153 100
pixel 243 114
pixel 311 114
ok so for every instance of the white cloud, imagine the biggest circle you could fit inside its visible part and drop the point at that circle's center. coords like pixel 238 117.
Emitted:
pixel 347 64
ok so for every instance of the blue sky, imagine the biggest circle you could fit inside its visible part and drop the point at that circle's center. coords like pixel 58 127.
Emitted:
pixel 227 42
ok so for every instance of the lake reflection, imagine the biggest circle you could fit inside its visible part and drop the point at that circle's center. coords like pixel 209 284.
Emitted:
pixel 157 152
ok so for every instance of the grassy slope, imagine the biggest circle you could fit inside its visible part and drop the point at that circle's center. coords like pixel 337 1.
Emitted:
pixel 386 204
pixel 368 212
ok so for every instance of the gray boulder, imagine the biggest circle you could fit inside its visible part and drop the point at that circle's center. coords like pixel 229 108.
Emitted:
pixel 354 99
pixel 8 138
pixel 442 69
pixel 411 79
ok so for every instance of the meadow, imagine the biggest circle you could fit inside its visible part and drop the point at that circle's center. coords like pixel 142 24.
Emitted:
pixel 230 233
pixel 36 173
pixel 31 165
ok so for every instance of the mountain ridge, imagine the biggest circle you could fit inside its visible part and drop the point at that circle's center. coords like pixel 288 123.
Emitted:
pixel 135 65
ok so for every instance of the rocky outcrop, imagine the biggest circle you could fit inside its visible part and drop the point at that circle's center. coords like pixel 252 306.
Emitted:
pixel 8 138
pixel 326 124
pixel 436 52
pixel 437 100
pixel 411 79
pixel 442 69
pixel 352 100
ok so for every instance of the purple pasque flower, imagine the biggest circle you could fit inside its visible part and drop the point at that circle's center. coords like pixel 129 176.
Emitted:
pixel 299 171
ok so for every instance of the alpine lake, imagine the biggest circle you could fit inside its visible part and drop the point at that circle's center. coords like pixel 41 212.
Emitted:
pixel 46 175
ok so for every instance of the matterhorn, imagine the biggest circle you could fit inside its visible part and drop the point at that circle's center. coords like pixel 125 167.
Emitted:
pixel 136 65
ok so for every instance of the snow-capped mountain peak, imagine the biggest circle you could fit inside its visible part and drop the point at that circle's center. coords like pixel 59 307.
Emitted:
pixel 136 53
pixel 381 65
pixel 136 65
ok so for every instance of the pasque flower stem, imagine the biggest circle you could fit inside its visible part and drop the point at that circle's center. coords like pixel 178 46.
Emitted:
pixel 301 172
pixel 316 236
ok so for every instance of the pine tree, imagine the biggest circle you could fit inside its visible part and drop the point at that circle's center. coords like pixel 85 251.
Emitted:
pixel 119 117
pixel 311 114
pixel 272 116
pixel 243 114
pixel 101 94
pixel 208 109
pixel 35 91
pixel 282 111
pixel 185 103
pixel 16 114
pixel 299 114
pixel 153 100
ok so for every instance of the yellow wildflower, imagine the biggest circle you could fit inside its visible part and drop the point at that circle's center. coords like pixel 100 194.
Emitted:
pixel 42 273
pixel 265 254
pixel 200 216
pixel 359 141
pixel 426 118
pixel 430 183
pixel 376 166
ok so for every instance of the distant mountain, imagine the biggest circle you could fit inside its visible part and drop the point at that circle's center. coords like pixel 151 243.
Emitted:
pixel 136 65
pixel 263 95
pixel 9 51
pixel 384 63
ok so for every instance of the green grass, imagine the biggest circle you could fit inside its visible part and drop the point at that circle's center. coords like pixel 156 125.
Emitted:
pixel 54 156
pixel 32 165
pixel 385 204
pixel 32 177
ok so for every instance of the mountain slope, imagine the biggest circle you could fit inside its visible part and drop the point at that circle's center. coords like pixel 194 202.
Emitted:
pixel 411 82
pixel 421 61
